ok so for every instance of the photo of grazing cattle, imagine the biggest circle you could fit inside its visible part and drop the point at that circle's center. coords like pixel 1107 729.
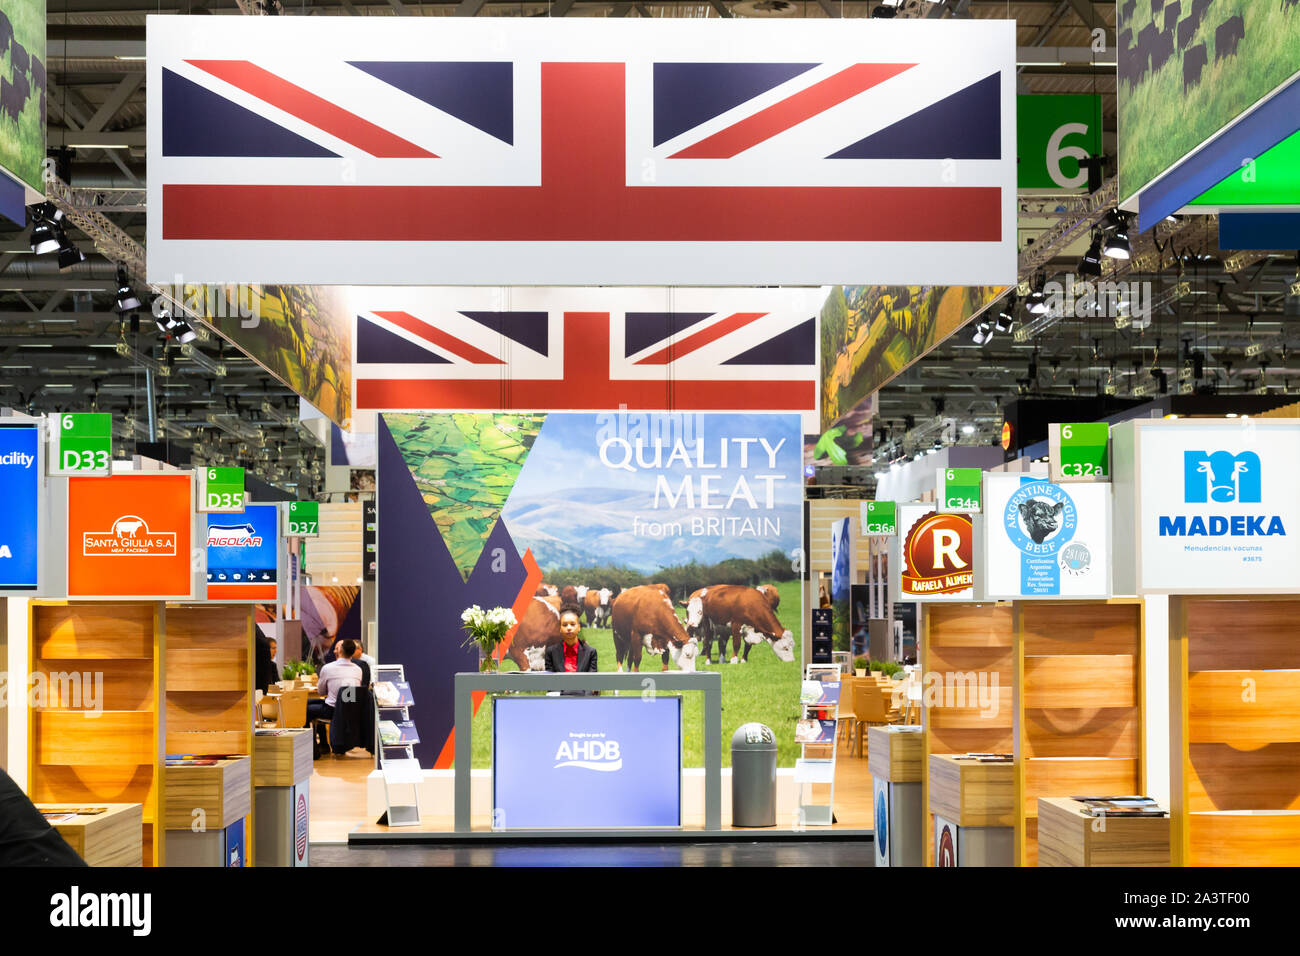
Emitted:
pixel 1189 68
pixel 644 619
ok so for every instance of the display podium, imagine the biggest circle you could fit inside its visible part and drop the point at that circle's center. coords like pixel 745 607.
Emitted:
pixel 282 765
pixel 974 808
pixel 894 759
pixel 111 838
pixel 204 813
pixel 1070 836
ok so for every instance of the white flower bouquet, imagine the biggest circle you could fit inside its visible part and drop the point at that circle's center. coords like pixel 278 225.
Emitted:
pixel 486 629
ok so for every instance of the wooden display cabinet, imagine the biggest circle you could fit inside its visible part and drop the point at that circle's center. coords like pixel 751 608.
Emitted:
pixel 1070 836
pixel 111 838
pixel 964 639
pixel 1078 716
pixel 1234 728
pixel 112 755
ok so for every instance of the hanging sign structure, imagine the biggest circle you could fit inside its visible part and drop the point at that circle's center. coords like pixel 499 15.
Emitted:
pixel 1045 540
pixel 878 518
pixel 958 490
pixel 221 489
pixel 20 518
pixel 568 152
pixel 81 443
pixel 1212 504
pixel 1079 451
pixel 304 519
pixel 935 555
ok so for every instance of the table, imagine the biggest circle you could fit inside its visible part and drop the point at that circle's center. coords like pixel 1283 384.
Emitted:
pixel 709 682
pixel 1069 836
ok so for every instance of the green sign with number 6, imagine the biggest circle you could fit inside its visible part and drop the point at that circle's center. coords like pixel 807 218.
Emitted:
pixel 304 519
pixel 221 489
pixel 958 490
pixel 1052 134
pixel 1079 451
pixel 81 444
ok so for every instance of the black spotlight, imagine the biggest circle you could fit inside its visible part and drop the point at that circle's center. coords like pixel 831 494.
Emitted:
pixel 45 227
pixel 1117 242
pixel 1090 264
pixel 169 325
pixel 983 332
pixel 883 12
pixel 126 298
pixel 1006 317
pixel 69 254
pixel 1036 301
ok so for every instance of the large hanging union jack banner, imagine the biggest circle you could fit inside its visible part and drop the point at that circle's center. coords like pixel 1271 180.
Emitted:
pixel 587 349
pixel 664 152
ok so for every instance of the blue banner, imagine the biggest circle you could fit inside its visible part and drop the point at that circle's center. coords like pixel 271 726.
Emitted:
pixel 586 763
pixel 241 554
pixel 20 485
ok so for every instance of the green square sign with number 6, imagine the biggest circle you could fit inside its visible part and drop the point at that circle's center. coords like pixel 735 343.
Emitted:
pixel 81 444
pixel 221 489
pixel 1052 134
pixel 304 519
pixel 957 490
pixel 1079 451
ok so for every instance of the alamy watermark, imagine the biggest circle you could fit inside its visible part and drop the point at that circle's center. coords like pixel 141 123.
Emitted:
pixel 1124 302
pixel 208 302
pixel 73 690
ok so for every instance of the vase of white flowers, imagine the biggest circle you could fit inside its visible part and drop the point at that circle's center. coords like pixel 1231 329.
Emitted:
pixel 486 630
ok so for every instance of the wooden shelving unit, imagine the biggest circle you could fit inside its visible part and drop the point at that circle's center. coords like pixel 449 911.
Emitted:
pixel 209 710
pixel 1234 728
pixel 1078 717
pixel 965 638
pixel 113 754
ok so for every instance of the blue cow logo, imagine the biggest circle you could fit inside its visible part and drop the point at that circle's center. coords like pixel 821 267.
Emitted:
pixel 1221 476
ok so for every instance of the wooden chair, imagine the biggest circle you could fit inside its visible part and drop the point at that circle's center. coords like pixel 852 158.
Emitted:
pixel 871 706
pixel 846 715
pixel 293 708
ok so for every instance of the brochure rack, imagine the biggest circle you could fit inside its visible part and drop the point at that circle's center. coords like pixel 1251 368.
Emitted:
pixel 816 763
pixel 397 762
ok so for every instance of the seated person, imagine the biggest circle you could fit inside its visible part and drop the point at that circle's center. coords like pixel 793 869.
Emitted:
pixel 275 668
pixel 334 678
pixel 362 655
pixel 572 654
pixel 264 665
pixel 364 662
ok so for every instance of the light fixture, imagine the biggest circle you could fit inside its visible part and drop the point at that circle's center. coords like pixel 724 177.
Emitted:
pixel 1036 301
pixel 1006 317
pixel 126 298
pixel 1117 244
pixel 983 332
pixel 968 429
pixel 69 254
pixel 1090 264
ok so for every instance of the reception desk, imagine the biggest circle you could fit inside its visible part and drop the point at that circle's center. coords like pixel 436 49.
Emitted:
pixel 613 711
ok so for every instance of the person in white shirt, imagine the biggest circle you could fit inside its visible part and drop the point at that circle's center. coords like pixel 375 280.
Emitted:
pixel 361 655
pixel 334 677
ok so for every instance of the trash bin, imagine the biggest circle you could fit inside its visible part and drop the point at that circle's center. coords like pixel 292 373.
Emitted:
pixel 753 776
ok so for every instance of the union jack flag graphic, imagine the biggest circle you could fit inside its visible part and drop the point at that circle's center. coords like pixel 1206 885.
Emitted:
pixel 589 349
pixel 582 152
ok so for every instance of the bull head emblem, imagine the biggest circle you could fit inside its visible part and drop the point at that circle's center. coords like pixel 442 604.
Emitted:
pixel 1221 476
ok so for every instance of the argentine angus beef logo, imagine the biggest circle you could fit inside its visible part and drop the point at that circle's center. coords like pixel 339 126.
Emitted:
pixel 937 556
pixel 130 535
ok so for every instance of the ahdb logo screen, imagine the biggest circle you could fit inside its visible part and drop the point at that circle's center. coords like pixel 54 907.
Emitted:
pixel 20 482
pixel 586 762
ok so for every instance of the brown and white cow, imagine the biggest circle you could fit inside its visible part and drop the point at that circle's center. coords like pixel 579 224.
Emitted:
pixel 597 607
pixel 540 626
pixel 748 615
pixel 546 590
pixel 771 593
pixel 569 594
pixel 643 618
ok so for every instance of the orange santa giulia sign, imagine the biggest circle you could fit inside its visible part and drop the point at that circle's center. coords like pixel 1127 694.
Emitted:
pixel 129 536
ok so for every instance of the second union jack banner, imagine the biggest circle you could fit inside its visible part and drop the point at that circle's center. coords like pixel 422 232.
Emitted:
pixel 345 150
pixel 539 349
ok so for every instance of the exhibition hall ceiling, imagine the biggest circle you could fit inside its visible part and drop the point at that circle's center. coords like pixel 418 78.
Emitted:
pixel 58 347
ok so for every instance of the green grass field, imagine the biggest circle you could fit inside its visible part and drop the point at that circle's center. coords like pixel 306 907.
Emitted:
pixel 764 689
pixel 1159 124
pixel 22 144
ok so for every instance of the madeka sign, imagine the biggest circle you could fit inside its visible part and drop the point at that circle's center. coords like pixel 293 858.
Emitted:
pixel 130 536
pixel 936 555
pixel 1215 504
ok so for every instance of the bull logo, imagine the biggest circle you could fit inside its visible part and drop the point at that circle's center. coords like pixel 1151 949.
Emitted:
pixel 1221 476
pixel 130 526
pixel 128 535
pixel 232 535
